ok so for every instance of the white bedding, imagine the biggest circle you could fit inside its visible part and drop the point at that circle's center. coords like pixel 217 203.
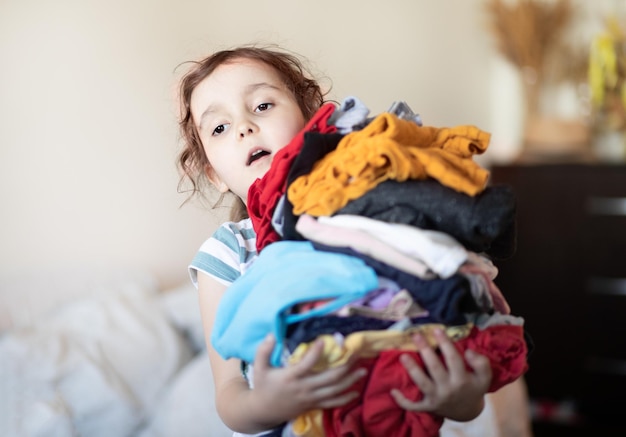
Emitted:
pixel 100 362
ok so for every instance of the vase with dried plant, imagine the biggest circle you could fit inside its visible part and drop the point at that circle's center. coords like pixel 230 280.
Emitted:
pixel 530 34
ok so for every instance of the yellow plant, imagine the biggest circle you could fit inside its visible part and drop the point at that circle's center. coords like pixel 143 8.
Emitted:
pixel 607 74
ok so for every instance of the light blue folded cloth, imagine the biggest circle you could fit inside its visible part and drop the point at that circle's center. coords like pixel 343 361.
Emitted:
pixel 286 273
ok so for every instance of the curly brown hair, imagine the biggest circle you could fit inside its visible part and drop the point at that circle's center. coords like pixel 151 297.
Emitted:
pixel 192 160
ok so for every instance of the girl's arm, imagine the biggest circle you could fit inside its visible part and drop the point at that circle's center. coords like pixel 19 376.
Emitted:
pixel 280 393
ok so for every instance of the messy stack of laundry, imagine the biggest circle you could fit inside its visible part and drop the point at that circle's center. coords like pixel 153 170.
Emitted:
pixel 369 230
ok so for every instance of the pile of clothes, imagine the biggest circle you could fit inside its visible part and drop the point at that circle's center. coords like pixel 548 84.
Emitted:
pixel 369 230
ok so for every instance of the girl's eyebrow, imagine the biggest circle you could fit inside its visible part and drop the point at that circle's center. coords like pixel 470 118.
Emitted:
pixel 247 89
pixel 255 86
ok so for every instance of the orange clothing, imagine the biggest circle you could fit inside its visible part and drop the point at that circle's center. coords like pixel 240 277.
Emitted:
pixel 391 148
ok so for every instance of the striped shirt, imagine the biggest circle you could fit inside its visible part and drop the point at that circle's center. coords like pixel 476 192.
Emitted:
pixel 226 254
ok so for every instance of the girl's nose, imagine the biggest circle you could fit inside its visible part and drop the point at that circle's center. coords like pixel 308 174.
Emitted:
pixel 246 128
pixel 245 131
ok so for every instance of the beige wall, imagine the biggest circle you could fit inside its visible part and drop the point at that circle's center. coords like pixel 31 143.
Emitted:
pixel 88 135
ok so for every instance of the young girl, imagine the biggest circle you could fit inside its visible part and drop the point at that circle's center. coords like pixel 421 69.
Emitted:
pixel 239 108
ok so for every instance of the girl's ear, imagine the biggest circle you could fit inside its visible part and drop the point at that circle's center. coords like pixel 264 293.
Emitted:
pixel 215 180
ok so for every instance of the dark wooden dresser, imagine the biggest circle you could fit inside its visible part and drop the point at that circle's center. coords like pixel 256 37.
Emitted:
pixel 568 280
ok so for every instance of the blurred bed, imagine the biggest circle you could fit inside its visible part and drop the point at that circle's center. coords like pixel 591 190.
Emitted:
pixel 101 353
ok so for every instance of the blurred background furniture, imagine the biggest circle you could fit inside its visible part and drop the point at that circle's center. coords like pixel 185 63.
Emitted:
pixel 568 280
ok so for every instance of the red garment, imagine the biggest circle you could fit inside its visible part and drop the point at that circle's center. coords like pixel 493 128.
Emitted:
pixel 265 192
pixel 377 414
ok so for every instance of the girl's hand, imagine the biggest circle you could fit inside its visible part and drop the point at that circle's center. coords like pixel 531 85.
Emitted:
pixel 292 390
pixel 449 390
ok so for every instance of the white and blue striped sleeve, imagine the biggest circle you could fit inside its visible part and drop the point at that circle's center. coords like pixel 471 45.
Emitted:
pixel 225 255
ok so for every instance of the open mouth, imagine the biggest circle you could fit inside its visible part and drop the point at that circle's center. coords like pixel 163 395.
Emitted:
pixel 256 155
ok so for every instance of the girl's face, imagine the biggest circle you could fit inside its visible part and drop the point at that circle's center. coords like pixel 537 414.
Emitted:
pixel 244 114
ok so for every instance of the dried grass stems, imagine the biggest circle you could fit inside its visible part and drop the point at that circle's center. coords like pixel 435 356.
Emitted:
pixel 530 34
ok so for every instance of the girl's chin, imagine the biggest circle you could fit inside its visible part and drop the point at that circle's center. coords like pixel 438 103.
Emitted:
pixel 261 166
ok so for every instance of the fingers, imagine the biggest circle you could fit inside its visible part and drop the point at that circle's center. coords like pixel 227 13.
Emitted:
pixel 422 380
pixel 432 362
pixel 417 374
pixel 264 354
pixel 309 359
pixel 329 388
pixel 451 356
pixel 338 401
pixel 332 392
pixel 450 367
pixel 312 361
pixel 480 366
pixel 405 403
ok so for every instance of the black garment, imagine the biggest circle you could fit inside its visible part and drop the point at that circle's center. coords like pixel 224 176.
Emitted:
pixel 309 329
pixel 481 223
pixel 314 148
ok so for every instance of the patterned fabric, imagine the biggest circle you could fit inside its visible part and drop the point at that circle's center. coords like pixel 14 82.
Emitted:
pixel 227 254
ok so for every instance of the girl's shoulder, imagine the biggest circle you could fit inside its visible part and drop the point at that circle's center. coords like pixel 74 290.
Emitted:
pixel 238 236
pixel 243 228
pixel 226 254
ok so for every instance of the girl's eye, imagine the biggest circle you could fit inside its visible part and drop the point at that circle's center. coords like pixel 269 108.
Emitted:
pixel 264 107
pixel 219 130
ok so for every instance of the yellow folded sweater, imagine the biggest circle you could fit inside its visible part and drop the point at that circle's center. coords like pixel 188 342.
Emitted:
pixel 391 148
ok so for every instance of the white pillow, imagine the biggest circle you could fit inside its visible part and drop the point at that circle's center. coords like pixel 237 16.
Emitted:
pixel 24 299
pixel 187 408
pixel 94 366
pixel 182 306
